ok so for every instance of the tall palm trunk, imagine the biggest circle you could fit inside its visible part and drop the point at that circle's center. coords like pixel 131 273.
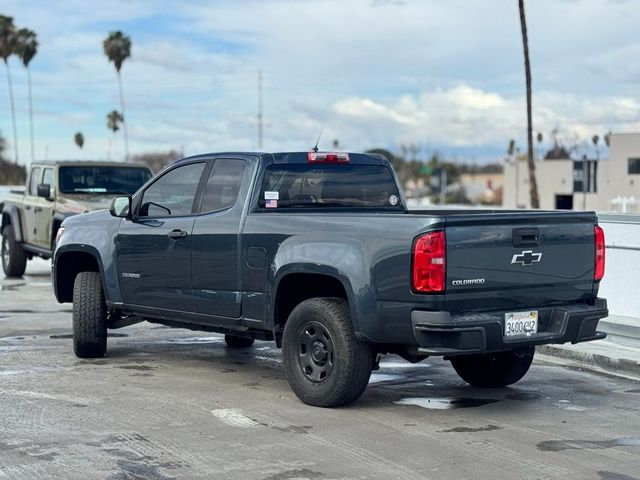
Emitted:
pixel 13 112
pixel 33 155
pixel 533 185
pixel 124 123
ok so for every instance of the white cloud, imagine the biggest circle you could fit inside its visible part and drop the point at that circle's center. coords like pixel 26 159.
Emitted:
pixel 371 72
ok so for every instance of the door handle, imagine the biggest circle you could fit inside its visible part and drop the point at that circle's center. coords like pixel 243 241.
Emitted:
pixel 27 207
pixel 37 209
pixel 176 234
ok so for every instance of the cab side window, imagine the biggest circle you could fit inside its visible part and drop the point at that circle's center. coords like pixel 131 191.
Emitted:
pixel 223 185
pixel 173 194
pixel 47 178
pixel 36 175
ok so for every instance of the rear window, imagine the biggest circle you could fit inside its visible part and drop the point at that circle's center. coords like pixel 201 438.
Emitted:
pixel 315 186
pixel 110 180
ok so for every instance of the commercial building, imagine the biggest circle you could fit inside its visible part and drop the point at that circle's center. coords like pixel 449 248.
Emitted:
pixel 610 184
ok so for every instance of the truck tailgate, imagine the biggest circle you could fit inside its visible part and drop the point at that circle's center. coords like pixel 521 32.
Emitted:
pixel 540 258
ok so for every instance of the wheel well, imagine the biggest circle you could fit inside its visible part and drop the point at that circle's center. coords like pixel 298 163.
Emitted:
pixel 68 265
pixel 54 231
pixel 6 219
pixel 297 287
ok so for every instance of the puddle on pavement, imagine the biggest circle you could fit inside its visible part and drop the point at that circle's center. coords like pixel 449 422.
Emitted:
pixel 11 288
pixel 560 445
pixel 523 396
pixel 445 403
pixel 384 377
pixel 191 341
pixel 392 364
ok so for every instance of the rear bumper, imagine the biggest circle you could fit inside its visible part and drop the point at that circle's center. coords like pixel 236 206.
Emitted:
pixel 440 333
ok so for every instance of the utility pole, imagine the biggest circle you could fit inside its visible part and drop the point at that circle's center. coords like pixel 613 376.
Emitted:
pixel 259 109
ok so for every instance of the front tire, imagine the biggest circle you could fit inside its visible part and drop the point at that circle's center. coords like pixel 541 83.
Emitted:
pixel 238 342
pixel 325 364
pixel 14 258
pixel 89 316
pixel 494 370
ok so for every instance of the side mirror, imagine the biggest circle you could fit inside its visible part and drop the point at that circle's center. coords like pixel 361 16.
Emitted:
pixel 44 191
pixel 121 207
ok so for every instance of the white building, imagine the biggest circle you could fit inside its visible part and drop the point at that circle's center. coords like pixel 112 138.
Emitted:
pixel 613 184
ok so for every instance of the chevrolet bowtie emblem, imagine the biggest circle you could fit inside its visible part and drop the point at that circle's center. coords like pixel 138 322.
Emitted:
pixel 527 257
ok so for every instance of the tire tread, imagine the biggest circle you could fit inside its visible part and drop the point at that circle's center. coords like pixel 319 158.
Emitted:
pixel 89 316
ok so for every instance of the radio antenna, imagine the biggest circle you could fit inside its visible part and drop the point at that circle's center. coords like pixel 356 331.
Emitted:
pixel 315 148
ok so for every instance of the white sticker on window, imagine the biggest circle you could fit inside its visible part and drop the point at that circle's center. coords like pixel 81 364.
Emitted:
pixel 271 196
pixel 393 200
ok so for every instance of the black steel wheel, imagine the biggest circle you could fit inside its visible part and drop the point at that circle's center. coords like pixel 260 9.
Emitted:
pixel 14 258
pixel 494 370
pixel 315 351
pixel 326 365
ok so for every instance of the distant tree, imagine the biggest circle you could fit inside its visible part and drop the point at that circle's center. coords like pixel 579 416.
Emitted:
pixel 114 120
pixel 539 138
pixel 10 174
pixel 78 139
pixel 8 48
pixel 595 139
pixel 3 146
pixel 607 139
pixel 157 160
pixel 117 48
pixel 533 185
pixel 26 49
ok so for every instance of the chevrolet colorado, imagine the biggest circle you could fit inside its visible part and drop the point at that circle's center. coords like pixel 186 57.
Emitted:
pixel 318 252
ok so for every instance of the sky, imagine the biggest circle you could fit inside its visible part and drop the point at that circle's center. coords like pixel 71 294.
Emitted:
pixel 443 76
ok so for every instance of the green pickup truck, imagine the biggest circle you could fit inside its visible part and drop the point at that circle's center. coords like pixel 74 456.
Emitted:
pixel 53 192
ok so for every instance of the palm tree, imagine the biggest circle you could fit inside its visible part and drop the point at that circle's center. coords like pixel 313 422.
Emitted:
pixel 7 48
pixel 533 185
pixel 26 48
pixel 114 120
pixel 595 139
pixel 117 48
pixel 78 138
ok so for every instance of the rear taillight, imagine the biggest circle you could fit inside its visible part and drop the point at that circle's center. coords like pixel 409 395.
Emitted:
pixel 326 157
pixel 600 249
pixel 429 263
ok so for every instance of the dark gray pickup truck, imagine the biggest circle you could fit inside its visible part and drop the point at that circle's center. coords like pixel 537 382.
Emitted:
pixel 318 252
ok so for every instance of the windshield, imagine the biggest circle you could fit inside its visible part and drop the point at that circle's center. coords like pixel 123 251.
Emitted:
pixel 102 179
pixel 329 185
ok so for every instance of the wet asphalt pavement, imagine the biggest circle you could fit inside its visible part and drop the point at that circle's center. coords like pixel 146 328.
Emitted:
pixel 171 403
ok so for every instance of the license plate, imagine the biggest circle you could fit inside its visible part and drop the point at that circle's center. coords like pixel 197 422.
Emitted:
pixel 517 324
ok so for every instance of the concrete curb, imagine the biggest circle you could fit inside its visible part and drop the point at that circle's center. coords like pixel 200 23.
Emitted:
pixel 610 359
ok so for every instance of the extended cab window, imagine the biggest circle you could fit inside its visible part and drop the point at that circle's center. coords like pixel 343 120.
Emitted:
pixel 313 186
pixel 223 185
pixel 173 193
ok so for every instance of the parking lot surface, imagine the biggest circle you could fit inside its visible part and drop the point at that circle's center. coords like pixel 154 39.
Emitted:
pixel 169 403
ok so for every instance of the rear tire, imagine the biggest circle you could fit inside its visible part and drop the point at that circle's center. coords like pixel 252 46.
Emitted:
pixel 14 258
pixel 89 316
pixel 494 370
pixel 238 342
pixel 326 365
